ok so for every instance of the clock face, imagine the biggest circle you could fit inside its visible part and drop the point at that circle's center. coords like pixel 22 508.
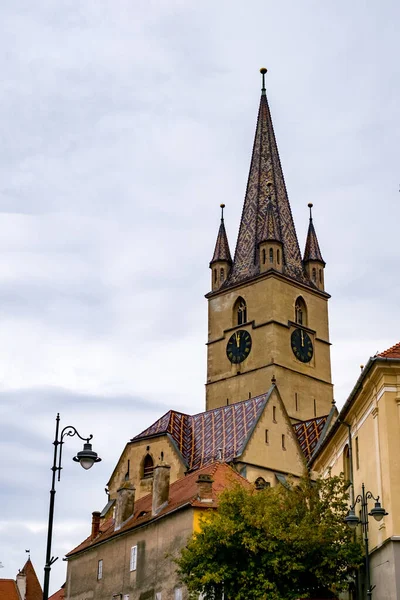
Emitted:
pixel 239 346
pixel 302 345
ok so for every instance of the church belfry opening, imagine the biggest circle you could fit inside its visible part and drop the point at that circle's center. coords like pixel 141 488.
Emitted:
pixel 287 334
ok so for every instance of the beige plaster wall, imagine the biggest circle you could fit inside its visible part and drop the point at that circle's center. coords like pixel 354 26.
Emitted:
pixel 135 453
pixel 157 543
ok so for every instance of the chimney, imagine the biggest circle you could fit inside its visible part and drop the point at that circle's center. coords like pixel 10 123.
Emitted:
pixel 124 505
pixel 21 584
pixel 95 524
pixel 160 487
pixel 204 487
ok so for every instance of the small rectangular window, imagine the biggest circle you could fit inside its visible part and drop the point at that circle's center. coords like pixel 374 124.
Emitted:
pixel 296 400
pixel 133 561
pixel 100 569
pixel 274 414
pixel 357 455
pixel 283 441
pixel 178 594
pixel 266 436
pixel 315 407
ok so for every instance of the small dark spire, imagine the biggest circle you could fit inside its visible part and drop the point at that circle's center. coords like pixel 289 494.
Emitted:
pixel 312 250
pixel 270 231
pixel 221 251
pixel 263 71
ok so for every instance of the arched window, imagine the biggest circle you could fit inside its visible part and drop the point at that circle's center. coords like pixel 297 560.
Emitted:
pixel 271 255
pixel 264 257
pixel 278 257
pixel 222 275
pixel 314 274
pixel 215 275
pixel 148 466
pixel 320 275
pixel 346 463
pixel 240 312
pixel 300 311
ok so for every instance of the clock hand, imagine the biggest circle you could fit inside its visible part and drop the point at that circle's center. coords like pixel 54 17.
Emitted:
pixel 237 339
pixel 302 338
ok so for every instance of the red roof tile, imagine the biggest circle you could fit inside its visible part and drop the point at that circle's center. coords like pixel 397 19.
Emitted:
pixel 59 595
pixel 393 352
pixel 183 492
pixel 308 434
pixel 8 590
pixel 33 588
pixel 201 437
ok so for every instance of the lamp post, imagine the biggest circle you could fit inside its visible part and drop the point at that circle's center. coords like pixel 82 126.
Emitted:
pixel 86 458
pixel 378 512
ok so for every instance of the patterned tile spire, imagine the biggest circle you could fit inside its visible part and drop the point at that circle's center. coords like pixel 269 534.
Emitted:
pixel 221 251
pixel 265 168
pixel 312 250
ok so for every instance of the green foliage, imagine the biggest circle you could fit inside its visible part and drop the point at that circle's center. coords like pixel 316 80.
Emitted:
pixel 277 543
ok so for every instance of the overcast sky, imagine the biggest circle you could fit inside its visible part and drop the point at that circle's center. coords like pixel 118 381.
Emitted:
pixel 123 126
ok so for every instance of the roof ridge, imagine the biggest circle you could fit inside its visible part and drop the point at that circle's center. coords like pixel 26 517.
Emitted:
pixel 393 349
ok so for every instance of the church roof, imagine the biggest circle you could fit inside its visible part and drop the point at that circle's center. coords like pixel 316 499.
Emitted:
pixel 182 493
pixel 312 250
pixel 270 230
pixel 8 590
pixel 393 352
pixel 265 168
pixel 219 433
pixel 221 251
pixel 308 434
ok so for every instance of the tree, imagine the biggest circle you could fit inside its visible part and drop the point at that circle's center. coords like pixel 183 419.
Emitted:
pixel 279 543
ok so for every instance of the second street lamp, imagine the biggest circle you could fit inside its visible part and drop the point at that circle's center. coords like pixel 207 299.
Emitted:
pixel 86 457
pixel 378 512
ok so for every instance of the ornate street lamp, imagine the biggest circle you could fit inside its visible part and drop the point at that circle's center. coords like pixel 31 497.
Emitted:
pixel 378 512
pixel 86 457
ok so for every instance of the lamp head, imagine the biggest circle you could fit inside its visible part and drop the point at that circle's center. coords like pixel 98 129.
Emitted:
pixel 351 519
pixel 378 512
pixel 87 457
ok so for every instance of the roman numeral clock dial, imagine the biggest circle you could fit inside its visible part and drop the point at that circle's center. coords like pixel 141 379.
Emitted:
pixel 302 345
pixel 238 347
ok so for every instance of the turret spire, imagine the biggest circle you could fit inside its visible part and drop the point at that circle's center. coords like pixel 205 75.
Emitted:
pixel 312 250
pixel 221 261
pixel 265 168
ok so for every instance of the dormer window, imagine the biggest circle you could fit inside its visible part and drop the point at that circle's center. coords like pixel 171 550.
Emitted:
pixel 314 274
pixel 271 255
pixel 264 256
pixel 222 275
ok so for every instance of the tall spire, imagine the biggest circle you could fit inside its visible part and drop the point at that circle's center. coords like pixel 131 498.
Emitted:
pixel 221 251
pixel 270 230
pixel 312 250
pixel 265 168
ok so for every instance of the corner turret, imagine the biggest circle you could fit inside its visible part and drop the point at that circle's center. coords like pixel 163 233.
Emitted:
pixel 270 246
pixel 221 261
pixel 313 262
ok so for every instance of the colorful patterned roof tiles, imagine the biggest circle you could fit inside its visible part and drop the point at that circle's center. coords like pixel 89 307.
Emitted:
pixel 271 230
pixel 308 434
pixel 205 437
pixel 312 250
pixel 222 251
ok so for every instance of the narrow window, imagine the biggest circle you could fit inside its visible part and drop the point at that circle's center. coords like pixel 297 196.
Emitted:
pixel 300 311
pixel 148 466
pixel 315 407
pixel 314 274
pixel 227 401
pixel 271 255
pixel 320 275
pixel 100 569
pixel 249 395
pixel 133 560
pixel 266 436
pixel 274 414
pixel 215 275
pixel 240 312
pixel 178 594
pixel 278 257
pixel 283 441
pixel 346 463
pixel 127 471
pixel 357 455
pixel 296 401
pixel 264 257
pixel 222 275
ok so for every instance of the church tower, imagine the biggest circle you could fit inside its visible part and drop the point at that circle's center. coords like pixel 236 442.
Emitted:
pixel 268 309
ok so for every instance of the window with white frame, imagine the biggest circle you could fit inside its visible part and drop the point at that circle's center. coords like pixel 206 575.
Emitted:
pixel 178 594
pixel 100 569
pixel 133 560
